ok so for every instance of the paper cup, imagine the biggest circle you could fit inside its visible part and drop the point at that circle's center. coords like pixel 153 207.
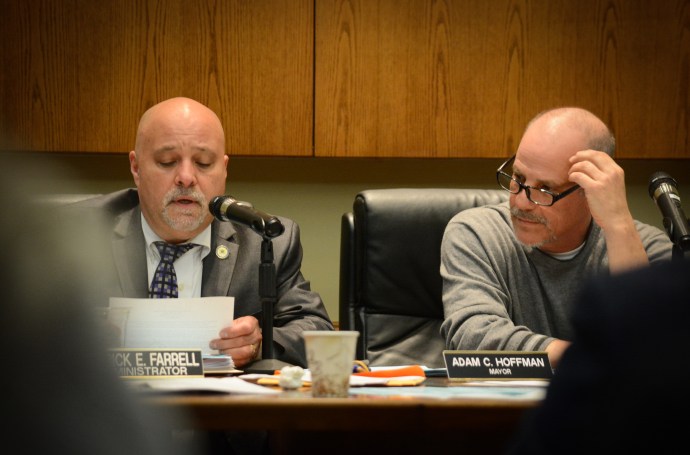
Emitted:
pixel 330 355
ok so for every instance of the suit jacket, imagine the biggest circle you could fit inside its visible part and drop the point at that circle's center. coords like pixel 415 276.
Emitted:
pixel 622 384
pixel 297 307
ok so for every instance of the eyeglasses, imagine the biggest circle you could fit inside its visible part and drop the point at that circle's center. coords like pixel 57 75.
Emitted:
pixel 536 195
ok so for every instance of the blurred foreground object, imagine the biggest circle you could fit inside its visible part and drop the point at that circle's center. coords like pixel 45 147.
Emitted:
pixel 61 392
pixel 620 387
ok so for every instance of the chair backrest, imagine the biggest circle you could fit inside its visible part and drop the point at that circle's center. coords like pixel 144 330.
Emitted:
pixel 390 282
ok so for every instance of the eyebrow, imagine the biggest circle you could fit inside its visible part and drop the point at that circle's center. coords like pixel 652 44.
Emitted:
pixel 174 148
pixel 549 184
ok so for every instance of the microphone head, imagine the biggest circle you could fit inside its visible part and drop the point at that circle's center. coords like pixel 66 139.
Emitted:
pixel 274 227
pixel 216 206
pixel 657 179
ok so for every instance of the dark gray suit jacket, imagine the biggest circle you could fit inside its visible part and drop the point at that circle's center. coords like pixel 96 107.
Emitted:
pixel 297 308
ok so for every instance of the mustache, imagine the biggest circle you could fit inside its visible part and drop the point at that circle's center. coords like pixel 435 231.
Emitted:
pixel 188 193
pixel 517 213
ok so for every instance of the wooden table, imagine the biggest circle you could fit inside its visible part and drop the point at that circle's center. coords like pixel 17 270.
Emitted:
pixel 301 424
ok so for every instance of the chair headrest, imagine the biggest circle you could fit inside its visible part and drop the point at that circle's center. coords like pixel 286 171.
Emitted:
pixel 398 234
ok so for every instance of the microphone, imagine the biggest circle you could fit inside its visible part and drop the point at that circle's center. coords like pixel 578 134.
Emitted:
pixel 226 208
pixel 663 189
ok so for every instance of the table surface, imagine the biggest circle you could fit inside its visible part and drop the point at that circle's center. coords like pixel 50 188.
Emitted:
pixel 361 423
pixel 297 410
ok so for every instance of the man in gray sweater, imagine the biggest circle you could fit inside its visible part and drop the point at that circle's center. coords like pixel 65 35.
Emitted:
pixel 511 272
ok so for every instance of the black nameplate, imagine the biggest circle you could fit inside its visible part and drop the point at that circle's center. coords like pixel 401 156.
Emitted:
pixel 156 363
pixel 497 365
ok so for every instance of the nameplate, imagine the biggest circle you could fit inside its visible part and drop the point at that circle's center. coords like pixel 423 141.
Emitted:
pixel 157 363
pixel 497 365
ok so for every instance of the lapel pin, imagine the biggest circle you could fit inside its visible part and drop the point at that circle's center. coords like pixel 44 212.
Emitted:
pixel 222 252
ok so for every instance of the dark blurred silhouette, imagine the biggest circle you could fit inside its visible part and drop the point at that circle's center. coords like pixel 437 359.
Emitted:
pixel 622 386
pixel 61 394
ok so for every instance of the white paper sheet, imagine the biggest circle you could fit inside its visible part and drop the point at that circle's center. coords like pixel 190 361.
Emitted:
pixel 172 323
pixel 223 385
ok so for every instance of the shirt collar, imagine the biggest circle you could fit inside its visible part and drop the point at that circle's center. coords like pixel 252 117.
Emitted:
pixel 203 239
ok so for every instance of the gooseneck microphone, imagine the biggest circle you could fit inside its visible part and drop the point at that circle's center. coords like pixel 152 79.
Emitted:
pixel 226 208
pixel 663 189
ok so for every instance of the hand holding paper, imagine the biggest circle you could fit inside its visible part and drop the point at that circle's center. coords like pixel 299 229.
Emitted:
pixel 174 323
pixel 241 340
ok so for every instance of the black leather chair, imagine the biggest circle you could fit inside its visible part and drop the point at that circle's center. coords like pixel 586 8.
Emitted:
pixel 390 282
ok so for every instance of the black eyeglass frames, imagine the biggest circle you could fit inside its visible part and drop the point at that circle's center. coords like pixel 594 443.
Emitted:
pixel 535 195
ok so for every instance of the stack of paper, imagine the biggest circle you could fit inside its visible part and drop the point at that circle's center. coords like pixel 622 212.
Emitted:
pixel 218 363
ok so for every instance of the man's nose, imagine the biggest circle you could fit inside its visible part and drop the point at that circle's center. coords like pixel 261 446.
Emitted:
pixel 521 201
pixel 186 175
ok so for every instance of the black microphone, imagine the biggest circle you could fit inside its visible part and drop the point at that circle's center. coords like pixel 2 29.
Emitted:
pixel 226 208
pixel 663 189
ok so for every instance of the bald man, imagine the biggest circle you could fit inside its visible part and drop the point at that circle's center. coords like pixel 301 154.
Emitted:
pixel 511 272
pixel 179 164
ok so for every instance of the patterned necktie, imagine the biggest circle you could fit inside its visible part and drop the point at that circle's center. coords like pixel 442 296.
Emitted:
pixel 164 284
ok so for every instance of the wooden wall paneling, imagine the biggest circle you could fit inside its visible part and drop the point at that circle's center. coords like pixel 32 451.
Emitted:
pixel 423 78
pixel 382 78
pixel 413 78
pixel 652 116
pixel 270 47
pixel 78 74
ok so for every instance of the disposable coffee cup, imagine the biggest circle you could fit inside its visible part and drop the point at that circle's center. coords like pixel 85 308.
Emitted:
pixel 330 355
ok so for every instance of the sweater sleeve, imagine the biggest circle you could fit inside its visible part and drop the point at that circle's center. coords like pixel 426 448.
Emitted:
pixel 480 273
pixel 656 243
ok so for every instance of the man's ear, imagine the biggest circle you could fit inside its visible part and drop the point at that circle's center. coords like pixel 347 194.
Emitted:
pixel 134 166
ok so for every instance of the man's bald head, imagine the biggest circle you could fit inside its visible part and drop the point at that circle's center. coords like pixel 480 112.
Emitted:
pixel 597 135
pixel 171 112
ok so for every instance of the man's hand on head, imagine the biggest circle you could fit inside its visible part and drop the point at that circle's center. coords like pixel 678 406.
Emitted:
pixel 603 181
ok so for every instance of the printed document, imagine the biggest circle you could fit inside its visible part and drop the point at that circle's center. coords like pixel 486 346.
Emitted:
pixel 185 323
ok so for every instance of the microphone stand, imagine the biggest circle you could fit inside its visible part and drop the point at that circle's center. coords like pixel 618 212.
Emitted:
pixel 681 244
pixel 268 364
pixel 678 254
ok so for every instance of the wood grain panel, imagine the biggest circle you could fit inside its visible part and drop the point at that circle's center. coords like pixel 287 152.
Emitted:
pixel 77 74
pixel 433 78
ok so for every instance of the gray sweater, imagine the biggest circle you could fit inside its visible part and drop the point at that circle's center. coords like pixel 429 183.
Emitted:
pixel 501 295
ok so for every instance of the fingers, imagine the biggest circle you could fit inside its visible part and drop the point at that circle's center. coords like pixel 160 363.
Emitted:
pixel 241 354
pixel 244 354
pixel 224 345
pixel 241 341
pixel 603 181
pixel 595 170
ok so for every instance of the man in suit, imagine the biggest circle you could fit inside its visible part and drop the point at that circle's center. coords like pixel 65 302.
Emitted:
pixel 179 164
pixel 621 386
